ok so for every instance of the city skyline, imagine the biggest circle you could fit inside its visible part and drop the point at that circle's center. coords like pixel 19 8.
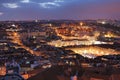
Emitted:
pixel 59 9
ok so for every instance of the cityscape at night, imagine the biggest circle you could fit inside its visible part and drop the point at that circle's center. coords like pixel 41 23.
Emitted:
pixel 59 39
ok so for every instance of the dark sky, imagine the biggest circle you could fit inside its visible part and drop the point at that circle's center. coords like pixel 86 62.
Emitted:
pixel 59 9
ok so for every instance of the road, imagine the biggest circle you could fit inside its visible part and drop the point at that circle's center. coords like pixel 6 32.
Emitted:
pixel 15 38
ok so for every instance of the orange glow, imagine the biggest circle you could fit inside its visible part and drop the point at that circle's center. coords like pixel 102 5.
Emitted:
pixel 81 23
pixel 16 39
pixel 94 51
pixel 109 34
pixel 25 76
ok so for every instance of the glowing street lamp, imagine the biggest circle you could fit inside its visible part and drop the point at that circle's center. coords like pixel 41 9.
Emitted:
pixel 81 23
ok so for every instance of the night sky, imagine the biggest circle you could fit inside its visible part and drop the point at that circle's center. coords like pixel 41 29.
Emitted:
pixel 59 9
